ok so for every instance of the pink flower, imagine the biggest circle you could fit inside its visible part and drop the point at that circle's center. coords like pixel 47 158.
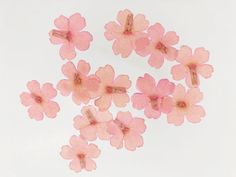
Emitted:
pixel 69 34
pixel 80 153
pixel 158 45
pixel 126 130
pixel 153 98
pixel 39 100
pixel 93 123
pixel 185 106
pixel 112 89
pixel 82 86
pixel 125 32
pixel 191 65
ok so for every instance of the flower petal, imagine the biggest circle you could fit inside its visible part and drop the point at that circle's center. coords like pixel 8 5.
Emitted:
pixel 184 54
pixel 64 87
pixel 201 55
pixel 36 112
pixel 75 165
pixel 171 38
pixel 49 91
pixel 195 113
pixel 34 87
pixel 179 72
pixel 83 40
pixel 123 46
pixel 93 151
pixel 156 32
pixel 167 105
pixel 139 100
pixel 67 51
pixel 138 125
pixel 69 70
pixel 90 164
pixel 140 23
pixel 156 60
pixel 81 96
pixel 67 152
pixel 122 16
pixel 194 95
pixel 51 109
pixel 103 103
pixel 80 122
pixel 133 140
pixel 76 22
pixel 165 87
pixel 125 117
pixel 205 70
pixel 106 74
pixel 175 117
pixel 179 92
pixel 89 133
pixel 26 99
pixel 146 84
pixel 122 81
pixel 151 113
pixel 61 23
pixel 83 67
pixel 120 100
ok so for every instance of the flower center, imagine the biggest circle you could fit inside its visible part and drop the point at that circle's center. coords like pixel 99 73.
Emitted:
pixel 77 79
pixel 62 34
pixel 161 47
pixel 91 117
pixel 113 89
pixel 193 74
pixel 155 102
pixel 129 24
pixel 81 158
pixel 37 99
pixel 181 104
pixel 122 126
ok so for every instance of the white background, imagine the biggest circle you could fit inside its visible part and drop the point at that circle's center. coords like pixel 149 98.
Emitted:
pixel 29 148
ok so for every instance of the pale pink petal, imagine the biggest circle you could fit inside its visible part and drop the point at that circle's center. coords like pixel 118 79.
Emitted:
pixel 175 117
pixel 83 67
pixel 69 70
pixel 171 38
pixel 26 99
pixel 102 131
pixel 165 87
pixel 167 105
pixel 56 40
pixel 122 16
pixel 156 60
pixel 122 81
pixel 156 32
pixel 195 113
pixel 120 100
pixel 184 55
pixel 125 117
pixel 205 70
pixel 139 100
pixel 49 91
pixel 89 133
pixel 194 95
pixel 117 141
pixel 90 164
pixel 151 113
pixel 146 84
pixel 142 46
pixel 34 87
pixel 93 151
pixel 51 109
pixel 179 92
pixel 104 116
pixel 201 55
pixel 61 23
pixel 78 143
pixel 92 83
pixel 67 152
pixel 122 46
pixel 36 112
pixel 76 22
pixel 67 51
pixel 113 30
pixel 171 54
pixel 64 86
pixel 138 125
pixel 179 72
pixel 106 74
pixel 83 40
pixel 80 122
pixel 103 103
pixel 132 141
pixel 140 23
pixel 75 165
pixel 81 96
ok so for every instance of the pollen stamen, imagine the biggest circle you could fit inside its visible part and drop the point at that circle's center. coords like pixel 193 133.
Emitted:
pixel 129 24
pixel 91 117
pixel 114 89
pixel 155 102
pixel 193 74
pixel 181 104
pixel 81 158
pixel 62 34
pixel 122 126
pixel 161 47
pixel 37 99
pixel 77 79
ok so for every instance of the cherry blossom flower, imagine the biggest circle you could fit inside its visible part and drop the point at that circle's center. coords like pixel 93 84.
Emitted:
pixel 125 32
pixel 185 106
pixel 126 130
pixel 82 86
pixel 93 123
pixel 158 45
pixel 112 89
pixel 81 154
pixel 39 100
pixel 191 65
pixel 154 98
pixel 69 34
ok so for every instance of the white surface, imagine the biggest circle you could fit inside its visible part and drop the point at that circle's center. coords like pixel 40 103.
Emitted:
pixel 29 148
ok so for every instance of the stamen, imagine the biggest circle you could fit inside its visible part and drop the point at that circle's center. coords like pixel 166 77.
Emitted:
pixel 81 158
pixel 37 99
pixel 91 117
pixel 181 104
pixel 122 127
pixel 161 47
pixel 193 74
pixel 77 79
pixel 155 102
pixel 62 34
pixel 113 89
pixel 129 24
